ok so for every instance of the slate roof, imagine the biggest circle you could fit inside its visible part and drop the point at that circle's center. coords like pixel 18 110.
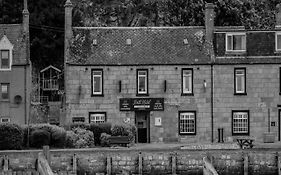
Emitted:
pixel 149 46
pixel 15 34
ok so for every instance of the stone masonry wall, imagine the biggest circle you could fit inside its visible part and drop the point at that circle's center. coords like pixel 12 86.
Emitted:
pixel 80 102
pixel 95 161
pixel 262 87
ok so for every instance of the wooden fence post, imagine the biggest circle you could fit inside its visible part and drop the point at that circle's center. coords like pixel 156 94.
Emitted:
pixel 46 153
pixel 6 163
pixel 140 163
pixel 246 163
pixel 108 165
pixel 278 163
pixel 174 164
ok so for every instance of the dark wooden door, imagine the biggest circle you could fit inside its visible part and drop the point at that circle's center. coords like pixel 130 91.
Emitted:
pixel 142 124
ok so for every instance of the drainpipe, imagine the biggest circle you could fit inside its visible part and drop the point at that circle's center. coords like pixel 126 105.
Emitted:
pixel 212 100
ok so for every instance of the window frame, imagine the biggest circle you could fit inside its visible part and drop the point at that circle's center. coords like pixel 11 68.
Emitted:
pixel 182 82
pixel 146 93
pixel 195 123
pixel 8 92
pixel 276 42
pixel 101 93
pixel 9 59
pixel 234 34
pixel 76 118
pixel 232 123
pixel 9 119
pixel 104 113
pixel 245 81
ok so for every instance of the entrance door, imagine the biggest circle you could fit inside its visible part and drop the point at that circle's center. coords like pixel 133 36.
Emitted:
pixel 142 124
pixel 279 122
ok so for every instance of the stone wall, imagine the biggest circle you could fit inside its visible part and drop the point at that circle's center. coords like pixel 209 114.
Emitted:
pixel 80 102
pixel 117 161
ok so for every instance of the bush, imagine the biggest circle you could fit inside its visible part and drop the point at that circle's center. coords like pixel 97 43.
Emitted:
pixel 39 138
pixel 11 136
pixel 124 130
pixel 98 129
pixel 104 139
pixel 83 138
pixel 70 139
pixel 79 125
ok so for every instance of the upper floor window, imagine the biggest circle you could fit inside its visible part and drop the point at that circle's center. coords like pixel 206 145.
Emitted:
pixel 240 81
pixel 5 53
pixel 236 42
pixel 240 122
pixel 5 91
pixel 187 123
pixel 97 117
pixel 97 82
pixel 278 41
pixel 187 81
pixel 142 82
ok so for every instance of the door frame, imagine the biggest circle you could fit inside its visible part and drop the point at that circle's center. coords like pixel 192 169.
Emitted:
pixel 148 125
pixel 279 121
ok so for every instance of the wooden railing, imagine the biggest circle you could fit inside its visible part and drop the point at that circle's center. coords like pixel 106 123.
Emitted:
pixel 43 166
pixel 50 84
pixel 208 168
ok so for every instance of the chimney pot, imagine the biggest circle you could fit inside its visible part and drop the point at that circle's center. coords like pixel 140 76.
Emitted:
pixel 278 16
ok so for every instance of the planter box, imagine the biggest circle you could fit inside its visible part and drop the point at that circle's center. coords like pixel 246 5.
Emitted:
pixel 268 137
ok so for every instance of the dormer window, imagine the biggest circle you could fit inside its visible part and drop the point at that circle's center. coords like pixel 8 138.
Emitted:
pixel 235 42
pixel 6 49
pixel 278 41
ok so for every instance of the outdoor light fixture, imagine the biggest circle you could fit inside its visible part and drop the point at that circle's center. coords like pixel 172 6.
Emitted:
pixel 205 84
pixel 185 41
pixel 95 42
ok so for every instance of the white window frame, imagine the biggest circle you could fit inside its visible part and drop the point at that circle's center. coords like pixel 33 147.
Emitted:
pixel 276 41
pixel 242 127
pixel 5 44
pixel 243 83
pixel 8 91
pixel 5 118
pixel 188 90
pixel 234 34
pixel 97 117
pixel 93 81
pixel 187 116
pixel 145 81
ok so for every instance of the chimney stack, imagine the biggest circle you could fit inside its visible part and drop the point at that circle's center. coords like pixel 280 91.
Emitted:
pixel 67 27
pixel 278 16
pixel 209 22
pixel 25 20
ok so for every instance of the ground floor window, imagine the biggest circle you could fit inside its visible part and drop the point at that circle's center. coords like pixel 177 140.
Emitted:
pixel 187 123
pixel 240 122
pixel 5 120
pixel 97 117
pixel 78 119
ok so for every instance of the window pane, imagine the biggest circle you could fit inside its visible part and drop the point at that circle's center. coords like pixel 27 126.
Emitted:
pixel 240 122
pixel 5 91
pixel 240 81
pixel 97 118
pixel 187 81
pixel 142 84
pixel 237 42
pixel 278 42
pixel 97 84
pixel 229 42
pixel 187 123
pixel 5 63
pixel 97 73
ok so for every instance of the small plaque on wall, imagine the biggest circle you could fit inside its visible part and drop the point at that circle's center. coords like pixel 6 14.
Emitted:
pixel 158 121
pixel 273 123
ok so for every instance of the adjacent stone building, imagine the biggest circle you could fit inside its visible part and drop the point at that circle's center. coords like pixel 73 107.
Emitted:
pixel 175 83
pixel 15 71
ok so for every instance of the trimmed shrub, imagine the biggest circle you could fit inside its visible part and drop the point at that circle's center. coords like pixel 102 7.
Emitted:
pixel 124 130
pixel 39 138
pixel 83 138
pixel 98 129
pixel 104 139
pixel 11 136
pixel 70 139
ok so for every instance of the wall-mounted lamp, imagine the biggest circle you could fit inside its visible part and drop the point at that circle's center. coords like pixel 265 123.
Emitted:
pixel 205 84
pixel 185 41
pixel 165 85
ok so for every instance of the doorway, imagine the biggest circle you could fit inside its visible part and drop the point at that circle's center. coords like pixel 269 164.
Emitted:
pixel 142 124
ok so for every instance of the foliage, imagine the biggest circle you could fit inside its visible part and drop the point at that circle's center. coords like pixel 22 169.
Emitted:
pixel 124 130
pixel 70 139
pixel 83 138
pixel 11 136
pixel 79 125
pixel 98 129
pixel 39 138
pixel 104 139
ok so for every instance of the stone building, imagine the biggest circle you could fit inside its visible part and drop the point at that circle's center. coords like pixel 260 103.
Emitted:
pixel 15 71
pixel 177 84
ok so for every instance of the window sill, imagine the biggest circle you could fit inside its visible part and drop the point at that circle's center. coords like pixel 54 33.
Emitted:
pixel 97 95
pixel 185 94
pixel 139 95
pixel 187 134
pixel 242 94
pixel 2 100
pixel 240 134
pixel 235 52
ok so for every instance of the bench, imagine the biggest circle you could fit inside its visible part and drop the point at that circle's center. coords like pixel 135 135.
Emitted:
pixel 245 142
pixel 119 140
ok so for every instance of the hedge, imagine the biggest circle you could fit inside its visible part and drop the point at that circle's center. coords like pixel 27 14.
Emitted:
pixel 39 138
pixel 124 130
pixel 98 129
pixel 11 136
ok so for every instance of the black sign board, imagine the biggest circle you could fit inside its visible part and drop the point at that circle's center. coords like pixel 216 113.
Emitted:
pixel 142 104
